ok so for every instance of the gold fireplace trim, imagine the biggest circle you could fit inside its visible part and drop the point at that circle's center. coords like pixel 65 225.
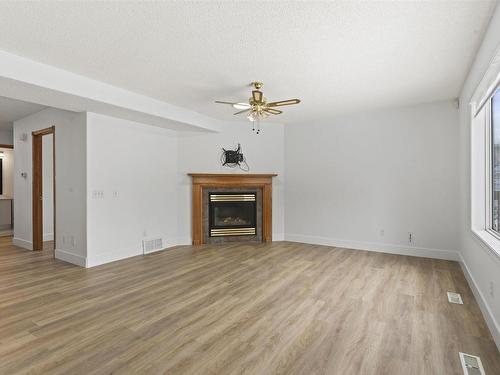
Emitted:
pixel 232 197
pixel 232 232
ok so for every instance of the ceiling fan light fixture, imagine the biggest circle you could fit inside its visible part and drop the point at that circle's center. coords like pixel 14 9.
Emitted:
pixel 258 108
pixel 252 116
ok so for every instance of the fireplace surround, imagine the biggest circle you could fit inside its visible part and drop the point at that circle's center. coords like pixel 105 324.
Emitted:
pixel 252 186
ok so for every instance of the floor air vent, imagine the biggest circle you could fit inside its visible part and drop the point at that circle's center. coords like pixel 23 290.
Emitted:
pixel 471 364
pixel 149 246
pixel 455 298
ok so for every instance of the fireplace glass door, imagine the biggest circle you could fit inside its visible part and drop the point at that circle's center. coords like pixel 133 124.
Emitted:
pixel 232 214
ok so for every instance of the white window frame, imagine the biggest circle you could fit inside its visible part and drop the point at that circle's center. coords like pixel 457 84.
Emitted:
pixel 481 157
pixel 489 170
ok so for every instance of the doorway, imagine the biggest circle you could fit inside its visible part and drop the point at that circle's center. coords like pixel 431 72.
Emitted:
pixel 44 188
pixel 6 190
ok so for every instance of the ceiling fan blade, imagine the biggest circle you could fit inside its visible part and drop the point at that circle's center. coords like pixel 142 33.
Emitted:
pixel 242 105
pixel 273 111
pixel 221 102
pixel 240 112
pixel 283 102
pixel 257 95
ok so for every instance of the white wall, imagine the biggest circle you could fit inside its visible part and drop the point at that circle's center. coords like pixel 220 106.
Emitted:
pixel 47 190
pixel 6 137
pixel 200 152
pixel 366 180
pixel 135 183
pixel 70 181
pixel 141 172
pixel 481 266
pixel 135 167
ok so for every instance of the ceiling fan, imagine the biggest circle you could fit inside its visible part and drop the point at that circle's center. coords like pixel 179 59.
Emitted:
pixel 257 107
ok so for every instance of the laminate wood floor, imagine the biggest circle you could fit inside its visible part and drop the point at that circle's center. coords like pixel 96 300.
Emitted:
pixel 282 308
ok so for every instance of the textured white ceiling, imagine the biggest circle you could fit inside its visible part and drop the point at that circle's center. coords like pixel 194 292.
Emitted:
pixel 336 56
pixel 12 110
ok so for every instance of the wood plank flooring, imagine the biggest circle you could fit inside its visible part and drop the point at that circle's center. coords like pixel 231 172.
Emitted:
pixel 280 308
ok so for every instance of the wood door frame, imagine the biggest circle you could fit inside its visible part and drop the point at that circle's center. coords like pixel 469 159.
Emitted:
pixel 37 202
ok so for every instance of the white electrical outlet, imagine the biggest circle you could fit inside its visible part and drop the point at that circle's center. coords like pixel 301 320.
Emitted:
pixel 382 233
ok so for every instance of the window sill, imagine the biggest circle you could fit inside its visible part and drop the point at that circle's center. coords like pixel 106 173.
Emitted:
pixel 491 241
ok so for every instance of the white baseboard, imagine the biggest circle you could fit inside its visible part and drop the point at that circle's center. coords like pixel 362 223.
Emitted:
pixel 48 237
pixel 7 232
pixel 71 258
pixel 166 246
pixel 28 245
pixel 278 237
pixel 184 241
pixel 483 305
pixel 373 246
pixel 108 257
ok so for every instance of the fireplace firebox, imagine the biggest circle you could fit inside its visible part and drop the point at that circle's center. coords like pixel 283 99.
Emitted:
pixel 232 214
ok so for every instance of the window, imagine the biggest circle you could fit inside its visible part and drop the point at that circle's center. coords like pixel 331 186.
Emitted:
pixel 485 165
pixel 495 162
pixel 485 158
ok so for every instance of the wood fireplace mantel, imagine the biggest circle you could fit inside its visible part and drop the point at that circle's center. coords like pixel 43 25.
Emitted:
pixel 209 180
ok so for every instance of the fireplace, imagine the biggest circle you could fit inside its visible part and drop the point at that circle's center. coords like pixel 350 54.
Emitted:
pixel 232 214
pixel 249 219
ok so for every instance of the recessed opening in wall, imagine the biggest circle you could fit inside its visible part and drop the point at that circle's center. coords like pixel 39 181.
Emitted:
pixel 1 172
pixel 232 214
pixel 6 190
pixel 43 190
